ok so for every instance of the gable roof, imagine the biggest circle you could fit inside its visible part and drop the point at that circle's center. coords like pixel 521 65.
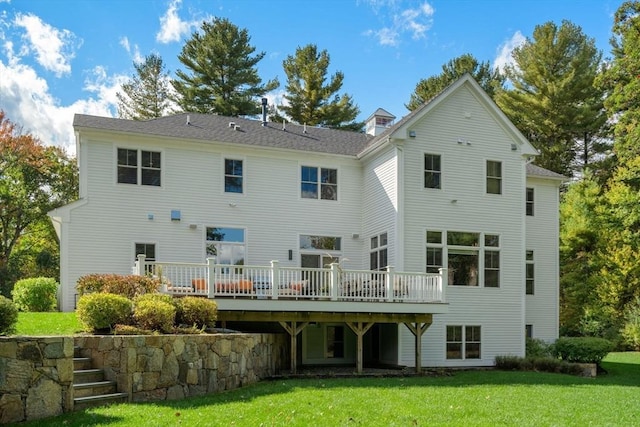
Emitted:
pixel 214 128
pixel 538 172
pixel 400 129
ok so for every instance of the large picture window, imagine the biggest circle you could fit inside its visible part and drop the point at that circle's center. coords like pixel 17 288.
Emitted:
pixel 226 244
pixel 472 259
pixel 463 342
pixel 139 166
pixel 318 183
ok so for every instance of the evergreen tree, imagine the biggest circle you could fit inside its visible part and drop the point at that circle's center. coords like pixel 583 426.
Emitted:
pixel 223 78
pixel 554 101
pixel 490 80
pixel 146 94
pixel 310 100
pixel 622 81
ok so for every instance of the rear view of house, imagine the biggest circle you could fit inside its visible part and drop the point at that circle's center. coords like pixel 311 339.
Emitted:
pixel 436 231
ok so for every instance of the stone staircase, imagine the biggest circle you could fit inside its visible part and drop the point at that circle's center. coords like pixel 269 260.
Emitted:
pixel 89 386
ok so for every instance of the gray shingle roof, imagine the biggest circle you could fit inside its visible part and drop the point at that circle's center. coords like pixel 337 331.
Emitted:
pixel 206 127
pixel 533 170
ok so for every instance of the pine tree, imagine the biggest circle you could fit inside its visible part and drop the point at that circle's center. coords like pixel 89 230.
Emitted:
pixel 223 78
pixel 490 80
pixel 146 94
pixel 310 100
pixel 554 101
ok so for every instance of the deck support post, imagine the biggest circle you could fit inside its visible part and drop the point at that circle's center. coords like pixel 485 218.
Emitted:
pixel 418 329
pixel 294 329
pixel 359 328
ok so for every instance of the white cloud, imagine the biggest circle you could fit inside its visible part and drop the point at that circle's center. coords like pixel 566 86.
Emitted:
pixel 53 48
pixel 504 51
pixel 415 21
pixel 134 53
pixel 172 28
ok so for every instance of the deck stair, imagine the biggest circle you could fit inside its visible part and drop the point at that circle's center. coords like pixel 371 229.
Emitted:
pixel 90 387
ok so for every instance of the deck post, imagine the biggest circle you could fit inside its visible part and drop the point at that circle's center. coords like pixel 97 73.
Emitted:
pixel 293 329
pixel 359 328
pixel 139 268
pixel 275 278
pixel 390 281
pixel 211 275
pixel 418 329
pixel 335 280
pixel 444 282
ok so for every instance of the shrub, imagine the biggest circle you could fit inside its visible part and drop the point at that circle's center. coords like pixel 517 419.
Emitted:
pixel 539 364
pixel 630 332
pixel 35 294
pixel 199 312
pixel 100 311
pixel 582 349
pixel 129 286
pixel 130 330
pixel 8 316
pixel 155 312
pixel 537 348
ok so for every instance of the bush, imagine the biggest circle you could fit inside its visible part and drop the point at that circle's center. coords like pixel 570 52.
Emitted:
pixel 102 311
pixel 630 332
pixel 538 364
pixel 155 312
pixel 129 286
pixel 8 316
pixel 582 349
pixel 537 348
pixel 36 294
pixel 199 312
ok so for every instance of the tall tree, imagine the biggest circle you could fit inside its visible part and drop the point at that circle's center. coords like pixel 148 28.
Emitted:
pixel 146 94
pixel 490 80
pixel 223 78
pixel 33 180
pixel 621 80
pixel 310 100
pixel 554 101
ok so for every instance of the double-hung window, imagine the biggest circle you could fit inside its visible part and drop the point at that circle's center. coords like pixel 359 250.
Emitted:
pixel 494 177
pixel 463 342
pixel 378 254
pixel 432 171
pixel 472 259
pixel 139 167
pixel 530 274
pixel 233 176
pixel 529 206
pixel 318 183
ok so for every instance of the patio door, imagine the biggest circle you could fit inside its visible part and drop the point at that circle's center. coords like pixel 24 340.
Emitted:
pixel 317 281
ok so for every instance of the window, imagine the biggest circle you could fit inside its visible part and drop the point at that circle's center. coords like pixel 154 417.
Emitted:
pixel 149 251
pixel 226 244
pixel 233 176
pixel 327 243
pixel 528 331
pixel 472 259
pixel 139 166
pixel 319 183
pixel 494 177
pixel 529 206
pixel 335 342
pixel 529 273
pixel 432 171
pixel 378 255
pixel 463 342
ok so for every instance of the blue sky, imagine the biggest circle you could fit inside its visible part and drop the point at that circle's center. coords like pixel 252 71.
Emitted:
pixel 61 57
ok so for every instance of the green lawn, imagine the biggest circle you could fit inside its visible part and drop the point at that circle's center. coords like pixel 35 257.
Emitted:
pixel 468 398
pixel 44 324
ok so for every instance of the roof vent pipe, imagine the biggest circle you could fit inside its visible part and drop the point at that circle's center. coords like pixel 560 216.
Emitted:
pixel 264 111
pixel 188 120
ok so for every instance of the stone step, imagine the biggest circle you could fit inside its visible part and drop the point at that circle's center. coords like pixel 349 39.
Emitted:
pixel 82 363
pixel 94 388
pixel 88 376
pixel 80 403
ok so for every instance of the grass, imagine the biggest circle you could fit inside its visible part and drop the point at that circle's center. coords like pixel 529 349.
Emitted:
pixel 45 324
pixel 478 398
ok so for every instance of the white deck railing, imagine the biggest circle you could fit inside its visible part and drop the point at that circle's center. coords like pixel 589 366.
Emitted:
pixel 275 282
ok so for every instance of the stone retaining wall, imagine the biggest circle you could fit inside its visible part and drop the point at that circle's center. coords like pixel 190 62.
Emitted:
pixel 36 377
pixel 36 373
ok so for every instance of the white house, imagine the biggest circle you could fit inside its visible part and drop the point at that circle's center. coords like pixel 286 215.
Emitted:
pixel 447 196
